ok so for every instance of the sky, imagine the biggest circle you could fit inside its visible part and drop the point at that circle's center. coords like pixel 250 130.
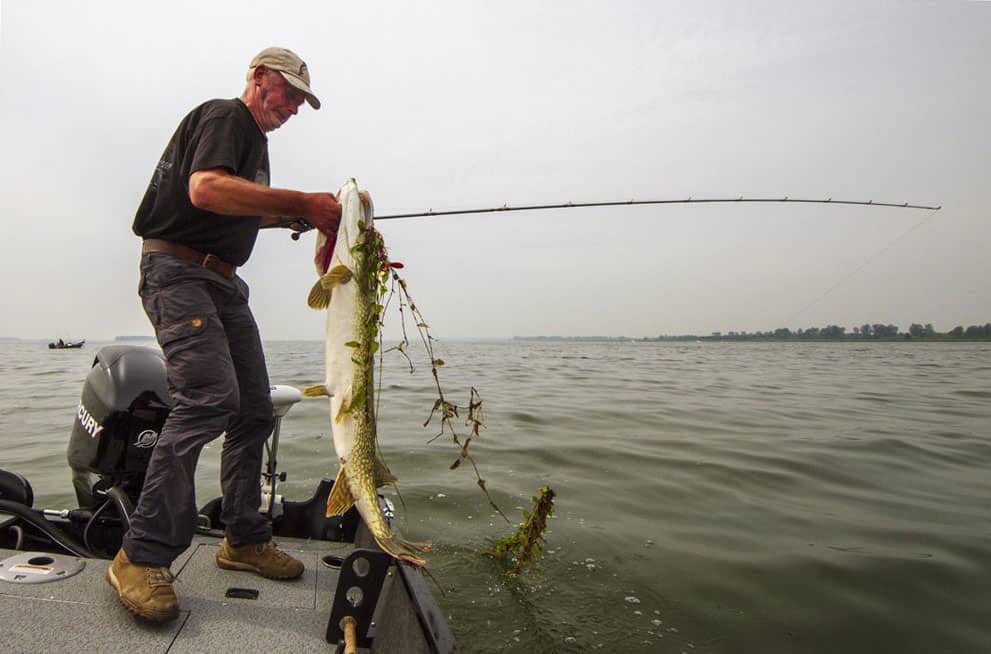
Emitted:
pixel 447 105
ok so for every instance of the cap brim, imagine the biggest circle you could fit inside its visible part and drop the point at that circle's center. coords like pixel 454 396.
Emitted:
pixel 301 85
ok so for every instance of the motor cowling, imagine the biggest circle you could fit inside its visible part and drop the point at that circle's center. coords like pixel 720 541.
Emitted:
pixel 124 403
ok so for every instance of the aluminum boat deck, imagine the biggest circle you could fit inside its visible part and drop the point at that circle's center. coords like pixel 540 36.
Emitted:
pixel 82 613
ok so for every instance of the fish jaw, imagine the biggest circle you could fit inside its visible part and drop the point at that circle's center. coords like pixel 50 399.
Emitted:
pixel 321 256
pixel 327 253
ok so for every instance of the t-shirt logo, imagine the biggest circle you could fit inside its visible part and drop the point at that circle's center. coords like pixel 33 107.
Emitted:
pixel 163 168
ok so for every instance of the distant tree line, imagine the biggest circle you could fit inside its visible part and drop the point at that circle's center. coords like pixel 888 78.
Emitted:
pixel 867 331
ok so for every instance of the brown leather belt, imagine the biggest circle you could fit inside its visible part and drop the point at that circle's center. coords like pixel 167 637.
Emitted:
pixel 208 261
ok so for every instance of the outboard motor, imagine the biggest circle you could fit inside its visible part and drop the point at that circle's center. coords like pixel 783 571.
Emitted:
pixel 124 404
pixel 123 408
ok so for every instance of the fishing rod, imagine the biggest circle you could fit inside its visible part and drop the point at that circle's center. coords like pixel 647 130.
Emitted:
pixel 623 203
pixel 627 203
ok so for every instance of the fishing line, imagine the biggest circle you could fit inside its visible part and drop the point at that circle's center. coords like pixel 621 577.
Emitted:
pixel 859 269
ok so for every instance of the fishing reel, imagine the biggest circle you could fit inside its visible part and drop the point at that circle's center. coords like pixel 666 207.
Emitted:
pixel 299 226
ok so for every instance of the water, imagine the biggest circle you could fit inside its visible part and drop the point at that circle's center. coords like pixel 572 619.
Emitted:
pixel 710 497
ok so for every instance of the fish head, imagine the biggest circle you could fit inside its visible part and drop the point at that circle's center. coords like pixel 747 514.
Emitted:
pixel 356 213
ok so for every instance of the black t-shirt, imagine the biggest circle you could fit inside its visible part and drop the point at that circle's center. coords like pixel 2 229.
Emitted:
pixel 216 134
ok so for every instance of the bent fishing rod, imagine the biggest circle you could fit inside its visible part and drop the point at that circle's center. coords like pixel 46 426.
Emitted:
pixel 626 203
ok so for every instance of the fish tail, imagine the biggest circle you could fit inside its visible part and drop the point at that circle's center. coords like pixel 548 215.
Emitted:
pixel 404 550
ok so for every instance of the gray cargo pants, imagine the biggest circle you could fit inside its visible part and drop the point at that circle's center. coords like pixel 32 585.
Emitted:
pixel 218 381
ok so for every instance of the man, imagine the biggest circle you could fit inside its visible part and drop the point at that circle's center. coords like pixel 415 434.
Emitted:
pixel 199 219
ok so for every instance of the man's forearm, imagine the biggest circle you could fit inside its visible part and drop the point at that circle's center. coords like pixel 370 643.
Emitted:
pixel 223 193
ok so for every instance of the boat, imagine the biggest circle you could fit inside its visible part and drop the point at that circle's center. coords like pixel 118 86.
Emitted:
pixel 53 562
pixel 66 345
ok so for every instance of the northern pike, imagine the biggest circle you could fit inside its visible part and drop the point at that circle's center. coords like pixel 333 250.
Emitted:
pixel 351 272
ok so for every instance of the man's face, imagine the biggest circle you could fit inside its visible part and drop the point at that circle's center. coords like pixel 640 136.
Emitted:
pixel 279 101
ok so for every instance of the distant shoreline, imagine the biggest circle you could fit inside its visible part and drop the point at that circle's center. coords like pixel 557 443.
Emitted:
pixel 865 333
pixel 901 338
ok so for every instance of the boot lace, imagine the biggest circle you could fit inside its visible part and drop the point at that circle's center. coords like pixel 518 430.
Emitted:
pixel 269 549
pixel 159 577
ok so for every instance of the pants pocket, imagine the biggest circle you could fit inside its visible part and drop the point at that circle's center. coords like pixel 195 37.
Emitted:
pixel 193 340
pixel 180 335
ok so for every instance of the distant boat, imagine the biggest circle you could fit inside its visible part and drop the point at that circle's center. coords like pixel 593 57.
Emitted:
pixel 66 345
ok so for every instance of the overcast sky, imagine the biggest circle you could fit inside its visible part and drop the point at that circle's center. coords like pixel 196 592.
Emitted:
pixel 469 104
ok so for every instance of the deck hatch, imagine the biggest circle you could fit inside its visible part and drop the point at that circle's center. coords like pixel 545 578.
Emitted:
pixel 39 568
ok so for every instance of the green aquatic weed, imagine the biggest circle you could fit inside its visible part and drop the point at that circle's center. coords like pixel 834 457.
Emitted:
pixel 524 546
pixel 384 284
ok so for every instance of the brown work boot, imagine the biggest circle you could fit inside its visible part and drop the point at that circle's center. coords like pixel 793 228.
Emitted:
pixel 263 558
pixel 144 590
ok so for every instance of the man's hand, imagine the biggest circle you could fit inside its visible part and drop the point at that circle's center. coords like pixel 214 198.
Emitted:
pixel 323 211
pixel 300 225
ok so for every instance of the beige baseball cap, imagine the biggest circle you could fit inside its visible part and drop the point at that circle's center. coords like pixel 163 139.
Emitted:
pixel 290 66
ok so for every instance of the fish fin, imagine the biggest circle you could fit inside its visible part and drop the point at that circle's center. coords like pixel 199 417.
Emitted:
pixel 345 407
pixel 349 402
pixel 383 475
pixel 323 289
pixel 404 550
pixel 319 297
pixel 317 390
pixel 335 277
pixel 340 498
